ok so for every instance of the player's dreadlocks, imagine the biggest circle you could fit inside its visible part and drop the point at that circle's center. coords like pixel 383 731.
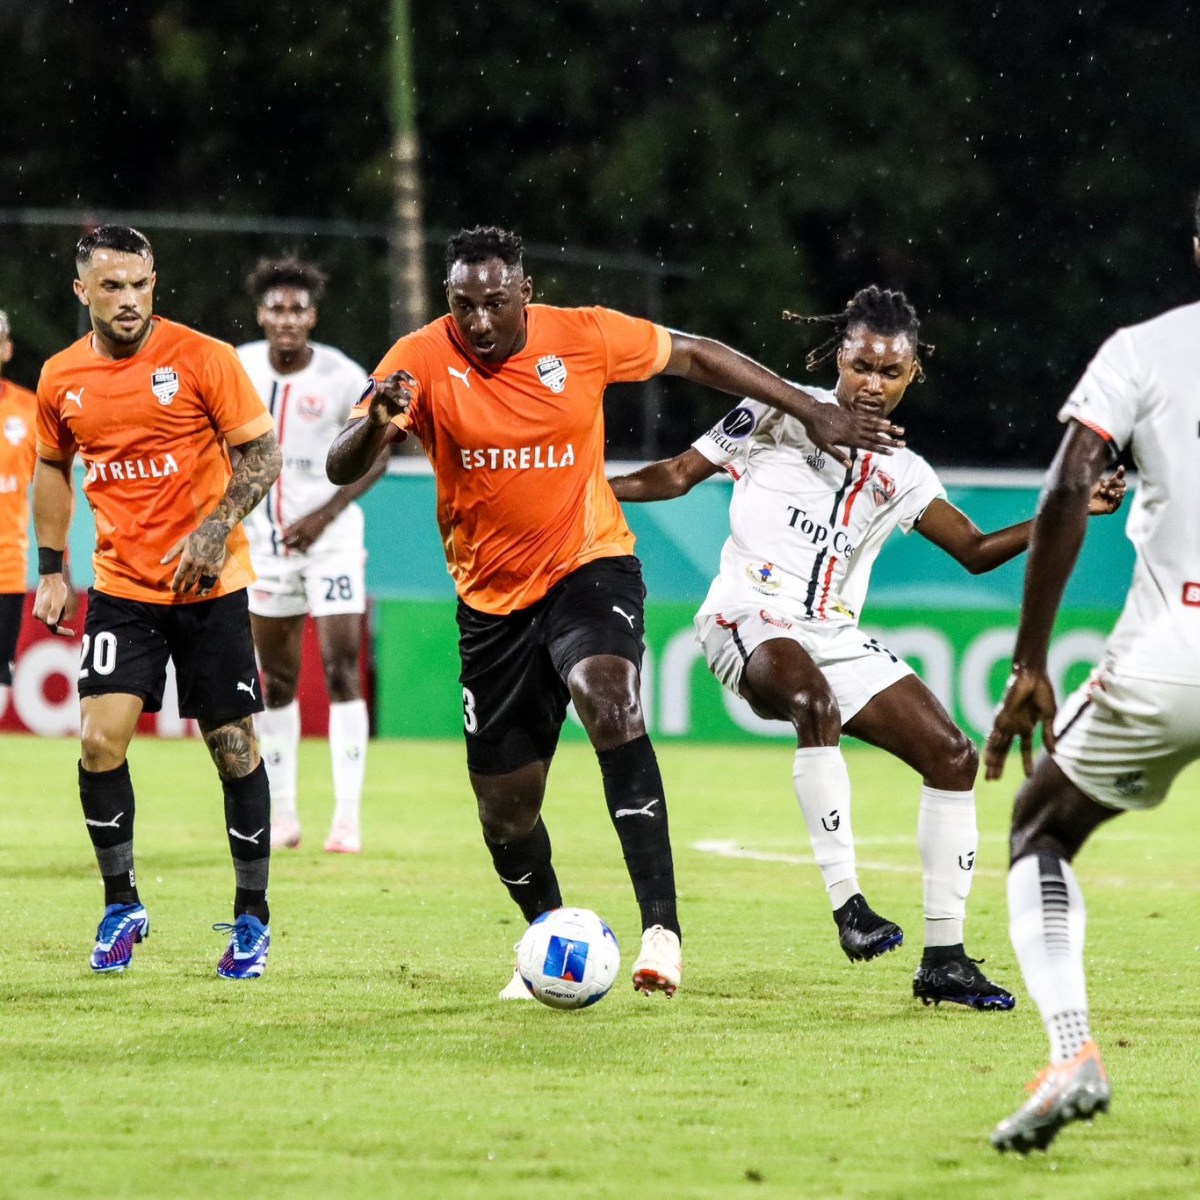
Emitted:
pixel 483 242
pixel 880 310
pixel 288 271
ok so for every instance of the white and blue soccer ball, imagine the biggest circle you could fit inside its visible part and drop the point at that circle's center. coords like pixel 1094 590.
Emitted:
pixel 568 958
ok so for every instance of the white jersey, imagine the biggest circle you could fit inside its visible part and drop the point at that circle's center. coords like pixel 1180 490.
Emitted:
pixel 1142 390
pixel 804 530
pixel 310 407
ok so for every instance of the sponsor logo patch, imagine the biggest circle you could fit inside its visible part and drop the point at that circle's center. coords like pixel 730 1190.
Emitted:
pixel 762 578
pixel 310 407
pixel 15 430
pixel 739 423
pixel 1191 595
pixel 768 619
pixel 883 487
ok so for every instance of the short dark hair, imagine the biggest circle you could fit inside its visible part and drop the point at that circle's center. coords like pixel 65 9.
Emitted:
pixel 288 271
pixel 123 238
pixel 484 242
pixel 881 310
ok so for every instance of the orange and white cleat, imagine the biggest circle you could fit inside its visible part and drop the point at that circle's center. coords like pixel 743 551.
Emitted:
pixel 660 965
pixel 344 839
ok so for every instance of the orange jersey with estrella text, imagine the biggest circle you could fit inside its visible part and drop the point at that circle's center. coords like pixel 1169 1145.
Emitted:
pixel 18 453
pixel 518 447
pixel 152 432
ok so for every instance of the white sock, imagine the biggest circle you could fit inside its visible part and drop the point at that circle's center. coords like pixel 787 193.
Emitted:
pixel 822 786
pixel 349 729
pixel 279 742
pixel 948 838
pixel 1047 922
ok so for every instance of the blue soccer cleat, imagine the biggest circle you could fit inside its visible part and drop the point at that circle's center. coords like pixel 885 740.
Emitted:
pixel 121 926
pixel 246 955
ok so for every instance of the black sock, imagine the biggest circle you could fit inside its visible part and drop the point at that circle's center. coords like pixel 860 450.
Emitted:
pixel 934 956
pixel 633 789
pixel 248 823
pixel 524 867
pixel 107 799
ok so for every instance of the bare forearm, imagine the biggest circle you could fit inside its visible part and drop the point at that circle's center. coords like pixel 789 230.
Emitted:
pixel 655 482
pixel 715 365
pixel 258 467
pixel 355 450
pixel 53 501
pixel 995 549
pixel 350 492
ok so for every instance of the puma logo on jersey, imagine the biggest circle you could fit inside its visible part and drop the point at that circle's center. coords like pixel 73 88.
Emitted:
pixel 461 375
pixel 252 838
pixel 77 397
pixel 247 687
pixel 624 614
pixel 115 823
pixel 644 811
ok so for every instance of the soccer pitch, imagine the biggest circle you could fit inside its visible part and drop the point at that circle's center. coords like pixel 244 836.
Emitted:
pixel 373 1058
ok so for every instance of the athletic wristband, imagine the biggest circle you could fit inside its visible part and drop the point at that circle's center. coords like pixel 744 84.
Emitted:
pixel 50 562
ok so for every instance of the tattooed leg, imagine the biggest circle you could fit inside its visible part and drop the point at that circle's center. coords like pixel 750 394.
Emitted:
pixel 233 747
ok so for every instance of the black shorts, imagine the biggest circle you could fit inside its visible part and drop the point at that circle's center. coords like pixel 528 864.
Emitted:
pixel 515 667
pixel 126 644
pixel 12 604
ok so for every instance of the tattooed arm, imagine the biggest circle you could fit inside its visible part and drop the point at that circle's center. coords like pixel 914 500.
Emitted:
pixel 202 552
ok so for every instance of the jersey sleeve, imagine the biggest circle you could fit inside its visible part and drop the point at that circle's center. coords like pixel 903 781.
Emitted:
pixel 54 440
pixel 1107 397
pixel 634 349
pixel 237 409
pixel 923 488
pixel 727 444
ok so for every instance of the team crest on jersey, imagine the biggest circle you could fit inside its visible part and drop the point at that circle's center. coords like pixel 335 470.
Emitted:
pixel 883 487
pixel 762 579
pixel 552 371
pixel 738 424
pixel 164 383
pixel 310 407
pixel 15 430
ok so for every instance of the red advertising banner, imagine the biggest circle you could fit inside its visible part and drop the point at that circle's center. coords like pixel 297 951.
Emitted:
pixel 44 700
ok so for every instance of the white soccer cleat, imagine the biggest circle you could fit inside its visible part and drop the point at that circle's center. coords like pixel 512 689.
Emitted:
pixel 660 965
pixel 285 833
pixel 515 988
pixel 344 839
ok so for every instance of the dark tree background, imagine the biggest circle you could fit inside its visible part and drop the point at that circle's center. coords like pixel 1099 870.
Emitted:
pixel 1025 172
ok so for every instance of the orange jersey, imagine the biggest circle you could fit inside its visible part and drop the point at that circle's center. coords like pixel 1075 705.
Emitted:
pixel 18 453
pixel 518 447
pixel 152 432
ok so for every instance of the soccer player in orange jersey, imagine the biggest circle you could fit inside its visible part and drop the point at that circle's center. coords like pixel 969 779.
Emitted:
pixel 18 408
pixel 152 408
pixel 506 398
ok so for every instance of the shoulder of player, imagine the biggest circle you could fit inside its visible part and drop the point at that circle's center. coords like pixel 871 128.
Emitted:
pixel 252 351
pixel 422 350
pixel 68 359
pixel 328 358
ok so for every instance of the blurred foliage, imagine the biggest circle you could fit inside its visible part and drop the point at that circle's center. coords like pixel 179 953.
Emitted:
pixel 1025 172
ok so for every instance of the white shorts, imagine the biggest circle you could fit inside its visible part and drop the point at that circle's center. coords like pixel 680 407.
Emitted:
pixel 330 579
pixel 856 667
pixel 1122 739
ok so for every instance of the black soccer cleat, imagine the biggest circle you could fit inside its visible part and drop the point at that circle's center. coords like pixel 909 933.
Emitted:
pixel 959 981
pixel 863 933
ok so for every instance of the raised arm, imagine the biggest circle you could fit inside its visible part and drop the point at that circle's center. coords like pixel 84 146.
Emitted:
pixel 953 531
pixel 53 503
pixel 665 479
pixel 202 552
pixel 830 426
pixel 1058 533
pixel 360 443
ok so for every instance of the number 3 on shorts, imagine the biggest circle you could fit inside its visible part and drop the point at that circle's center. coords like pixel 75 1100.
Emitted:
pixel 470 721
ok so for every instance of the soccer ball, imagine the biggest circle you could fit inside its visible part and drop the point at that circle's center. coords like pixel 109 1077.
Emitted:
pixel 568 958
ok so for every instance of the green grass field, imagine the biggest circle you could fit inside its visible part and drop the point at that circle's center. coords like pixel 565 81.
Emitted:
pixel 373 1059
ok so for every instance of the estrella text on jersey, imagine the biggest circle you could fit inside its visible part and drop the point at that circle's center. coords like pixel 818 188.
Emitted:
pixel 129 469
pixel 518 458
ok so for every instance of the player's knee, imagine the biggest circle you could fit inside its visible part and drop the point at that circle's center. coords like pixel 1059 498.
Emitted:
pixel 233 748
pixel 279 688
pixel 102 744
pixel 506 822
pixel 816 717
pixel 955 765
pixel 341 681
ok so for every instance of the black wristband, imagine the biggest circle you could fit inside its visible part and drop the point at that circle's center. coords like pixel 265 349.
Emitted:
pixel 50 562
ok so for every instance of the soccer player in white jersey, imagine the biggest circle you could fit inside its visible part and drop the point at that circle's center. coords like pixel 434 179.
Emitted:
pixel 1122 738
pixel 779 626
pixel 306 541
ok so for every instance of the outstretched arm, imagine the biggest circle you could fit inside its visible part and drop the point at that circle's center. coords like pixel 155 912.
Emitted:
pixel 665 479
pixel 202 553
pixel 830 426
pixel 360 443
pixel 953 531
pixel 1054 547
